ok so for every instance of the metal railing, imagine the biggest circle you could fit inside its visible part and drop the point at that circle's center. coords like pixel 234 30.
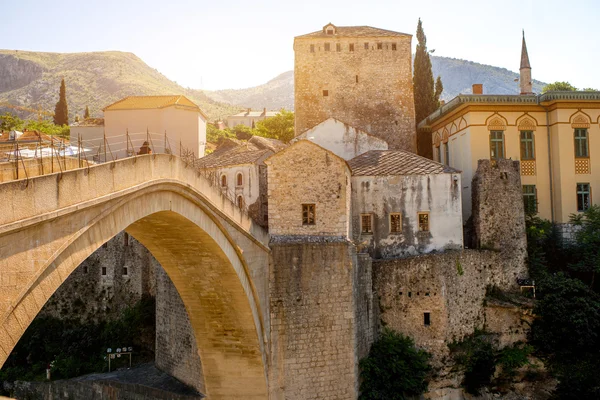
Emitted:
pixel 58 155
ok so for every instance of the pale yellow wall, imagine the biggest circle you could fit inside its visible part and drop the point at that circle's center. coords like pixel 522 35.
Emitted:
pixel 186 126
pixel 469 142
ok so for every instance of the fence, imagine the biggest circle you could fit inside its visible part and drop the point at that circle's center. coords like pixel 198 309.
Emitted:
pixel 24 160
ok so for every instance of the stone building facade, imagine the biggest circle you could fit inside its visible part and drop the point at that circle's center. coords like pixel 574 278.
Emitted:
pixel 360 75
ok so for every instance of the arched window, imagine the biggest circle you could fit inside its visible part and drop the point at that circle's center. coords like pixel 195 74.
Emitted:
pixel 240 179
pixel 240 201
pixel 224 180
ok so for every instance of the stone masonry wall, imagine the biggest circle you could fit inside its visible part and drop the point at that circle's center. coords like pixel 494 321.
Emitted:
pixel 112 278
pixel 369 88
pixel 176 349
pixel 305 173
pixel 451 286
pixel 498 214
pixel 315 321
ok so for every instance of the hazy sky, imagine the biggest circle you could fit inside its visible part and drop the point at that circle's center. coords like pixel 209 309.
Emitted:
pixel 236 44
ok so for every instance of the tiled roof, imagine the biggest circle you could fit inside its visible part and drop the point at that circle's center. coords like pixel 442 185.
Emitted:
pixel 267 143
pixel 30 136
pixel 152 102
pixel 90 122
pixel 354 31
pixel 236 156
pixel 395 162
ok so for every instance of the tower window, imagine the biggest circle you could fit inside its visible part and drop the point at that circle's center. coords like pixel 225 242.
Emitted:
pixel 366 46
pixel 308 214
pixel 126 239
pixel 312 48
pixel 325 93
pixel 394 46
pixel 327 46
pixel 379 46
pixel 356 78
pixel 423 218
pixel 103 270
pixel 366 223
pixel 85 269
pixel 351 47
pixel 125 271
pixel 427 319
pixel 338 47
pixel 395 223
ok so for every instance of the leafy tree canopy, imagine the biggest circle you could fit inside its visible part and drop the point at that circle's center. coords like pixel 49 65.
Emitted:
pixel 559 87
pixel 280 127
pixel 394 369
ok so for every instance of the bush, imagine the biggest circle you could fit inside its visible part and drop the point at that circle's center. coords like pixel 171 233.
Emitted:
pixel 394 368
pixel 514 357
pixel 476 355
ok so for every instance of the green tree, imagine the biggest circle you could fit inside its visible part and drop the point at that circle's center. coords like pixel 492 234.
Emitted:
pixel 61 111
pixel 242 132
pixel 426 100
pixel 394 369
pixel 280 127
pixel 590 90
pixel 587 242
pixel 215 135
pixel 9 122
pixel 439 88
pixel 559 87
pixel 86 113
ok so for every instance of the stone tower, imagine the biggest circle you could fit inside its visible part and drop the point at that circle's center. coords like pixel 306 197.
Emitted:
pixel 525 70
pixel 359 75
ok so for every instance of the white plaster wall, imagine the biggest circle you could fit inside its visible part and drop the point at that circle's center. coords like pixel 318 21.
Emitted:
pixel 342 139
pixel 250 186
pixel 91 135
pixel 438 194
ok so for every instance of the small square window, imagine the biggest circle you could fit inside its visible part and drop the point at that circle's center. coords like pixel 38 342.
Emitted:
pixel 85 269
pixel 427 319
pixel 338 47
pixel 423 221
pixel 327 47
pixel 366 223
pixel 312 48
pixel 366 46
pixel 356 78
pixel 351 47
pixel 308 214
pixel 103 270
pixel 379 46
pixel 325 93
pixel 125 271
pixel 393 46
pixel 395 223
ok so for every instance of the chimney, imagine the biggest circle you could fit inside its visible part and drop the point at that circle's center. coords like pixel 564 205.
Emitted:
pixel 442 103
pixel 248 111
pixel 265 111
pixel 478 88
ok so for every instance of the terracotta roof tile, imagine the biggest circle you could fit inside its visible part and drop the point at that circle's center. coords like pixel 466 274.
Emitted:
pixel 395 162
pixel 237 156
pixel 354 31
pixel 152 102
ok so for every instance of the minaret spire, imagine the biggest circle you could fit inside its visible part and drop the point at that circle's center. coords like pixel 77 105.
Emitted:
pixel 525 70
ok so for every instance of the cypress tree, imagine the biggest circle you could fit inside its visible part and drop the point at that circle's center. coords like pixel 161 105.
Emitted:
pixel 425 94
pixel 439 88
pixel 61 111
pixel 86 113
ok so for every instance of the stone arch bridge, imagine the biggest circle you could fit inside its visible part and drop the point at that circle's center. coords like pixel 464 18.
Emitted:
pixel 216 257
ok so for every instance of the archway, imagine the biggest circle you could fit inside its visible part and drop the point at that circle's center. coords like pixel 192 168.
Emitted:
pixel 195 250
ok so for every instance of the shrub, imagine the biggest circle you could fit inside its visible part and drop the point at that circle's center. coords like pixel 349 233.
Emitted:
pixel 477 356
pixel 394 368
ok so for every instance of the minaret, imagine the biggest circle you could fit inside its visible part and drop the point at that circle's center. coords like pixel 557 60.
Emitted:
pixel 525 70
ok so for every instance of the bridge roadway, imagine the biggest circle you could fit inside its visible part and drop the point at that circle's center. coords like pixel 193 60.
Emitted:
pixel 215 255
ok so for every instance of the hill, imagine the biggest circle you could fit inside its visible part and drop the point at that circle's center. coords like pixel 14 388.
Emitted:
pixel 95 79
pixel 457 77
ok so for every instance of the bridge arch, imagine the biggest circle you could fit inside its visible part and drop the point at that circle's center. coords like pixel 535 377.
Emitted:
pixel 177 224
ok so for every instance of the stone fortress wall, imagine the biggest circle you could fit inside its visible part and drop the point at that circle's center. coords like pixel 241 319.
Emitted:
pixel 369 88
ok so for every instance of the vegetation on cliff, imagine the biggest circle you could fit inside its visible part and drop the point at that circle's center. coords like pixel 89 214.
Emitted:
pixel 280 127
pixel 567 332
pixel 9 122
pixel 394 369
pixel 73 348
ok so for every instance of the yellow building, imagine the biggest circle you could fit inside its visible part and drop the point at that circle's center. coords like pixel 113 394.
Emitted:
pixel 555 136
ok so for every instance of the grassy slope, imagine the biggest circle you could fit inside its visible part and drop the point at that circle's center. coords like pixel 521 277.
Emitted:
pixel 97 80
